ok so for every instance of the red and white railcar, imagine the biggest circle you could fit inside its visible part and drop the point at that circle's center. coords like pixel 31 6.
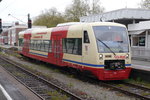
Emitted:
pixel 101 48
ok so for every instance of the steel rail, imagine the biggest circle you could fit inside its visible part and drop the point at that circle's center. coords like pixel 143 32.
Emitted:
pixel 68 93
pixel 138 86
pixel 126 91
pixel 106 84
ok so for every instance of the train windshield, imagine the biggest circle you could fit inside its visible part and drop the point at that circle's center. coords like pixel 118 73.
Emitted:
pixel 111 39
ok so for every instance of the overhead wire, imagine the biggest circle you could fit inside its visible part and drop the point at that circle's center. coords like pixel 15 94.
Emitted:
pixel 16 18
pixel 7 6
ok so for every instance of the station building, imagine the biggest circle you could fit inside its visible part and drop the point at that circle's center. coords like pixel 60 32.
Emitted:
pixel 138 25
pixel 10 36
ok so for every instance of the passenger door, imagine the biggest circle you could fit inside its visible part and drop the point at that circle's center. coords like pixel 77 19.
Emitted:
pixel 26 44
pixel 57 49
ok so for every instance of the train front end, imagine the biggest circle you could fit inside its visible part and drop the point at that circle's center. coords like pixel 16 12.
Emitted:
pixel 113 52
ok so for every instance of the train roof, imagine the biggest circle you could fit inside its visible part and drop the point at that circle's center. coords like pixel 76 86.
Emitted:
pixel 34 30
pixel 68 24
pixel 105 24
pixel 90 23
pixel 72 24
pixel 39 30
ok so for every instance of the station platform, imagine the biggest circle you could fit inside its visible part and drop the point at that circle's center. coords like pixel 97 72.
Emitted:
pixel 141 65
pixel 11 89
pixel 8 46
pixel 2 95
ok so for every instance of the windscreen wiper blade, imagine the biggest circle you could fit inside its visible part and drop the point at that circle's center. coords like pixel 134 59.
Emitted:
pixel 106 46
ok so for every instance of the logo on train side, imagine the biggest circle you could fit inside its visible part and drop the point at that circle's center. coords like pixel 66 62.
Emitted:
pixel 37 36
pixel 42 33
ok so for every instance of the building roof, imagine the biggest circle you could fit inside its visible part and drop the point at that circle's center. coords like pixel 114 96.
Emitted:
pixel 143 25
pixel 124 16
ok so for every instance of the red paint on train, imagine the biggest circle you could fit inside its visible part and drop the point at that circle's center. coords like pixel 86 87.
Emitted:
pixel 56 56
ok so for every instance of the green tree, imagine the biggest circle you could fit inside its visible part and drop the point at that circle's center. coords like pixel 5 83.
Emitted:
pixel 49 18
pixel 145 4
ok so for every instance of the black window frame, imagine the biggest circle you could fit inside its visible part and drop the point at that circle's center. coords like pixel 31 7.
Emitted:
pixel 86 37
pixel 21 42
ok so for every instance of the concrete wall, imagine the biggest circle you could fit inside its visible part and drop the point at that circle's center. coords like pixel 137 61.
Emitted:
pixel 140 53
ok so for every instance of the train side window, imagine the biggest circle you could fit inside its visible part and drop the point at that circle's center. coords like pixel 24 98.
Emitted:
pixel 39 45
pixel 35 45
pixel 72 46
pixel 77 48
pixel 46 45
pixel 64 42
pixel 50 46
pixel 21 42
pixel 31 44
pixel 86 37
pixel 42 46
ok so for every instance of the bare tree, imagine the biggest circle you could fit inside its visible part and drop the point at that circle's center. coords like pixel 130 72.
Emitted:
pixel 145 4
pixel 49 18
pixel 77 9
pixel 73 12
pixel 96 7
pixel 80 8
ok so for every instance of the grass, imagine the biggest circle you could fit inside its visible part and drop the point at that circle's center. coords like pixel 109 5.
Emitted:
pixel 145 94
pixel 70 85
pixel 122 86
pixel 56 70
pixel 138 81
pixel 19 74
pixel 71 76
pixel 3 54
pixel 57 96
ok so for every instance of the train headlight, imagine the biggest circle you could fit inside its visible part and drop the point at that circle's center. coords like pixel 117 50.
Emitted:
pixel 127 56
pixel 100 56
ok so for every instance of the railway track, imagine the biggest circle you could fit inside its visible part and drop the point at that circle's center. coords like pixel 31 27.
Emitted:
pixel 44 89
pixel 135 90
pixel 127 88
pixel 130 89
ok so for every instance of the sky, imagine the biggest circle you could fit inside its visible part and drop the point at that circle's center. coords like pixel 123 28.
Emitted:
pixel 17 10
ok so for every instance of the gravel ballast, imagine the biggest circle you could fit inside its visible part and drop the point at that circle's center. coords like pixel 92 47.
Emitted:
pixel 95 91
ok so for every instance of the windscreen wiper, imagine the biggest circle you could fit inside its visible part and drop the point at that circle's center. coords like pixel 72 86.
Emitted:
pixel 106 46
